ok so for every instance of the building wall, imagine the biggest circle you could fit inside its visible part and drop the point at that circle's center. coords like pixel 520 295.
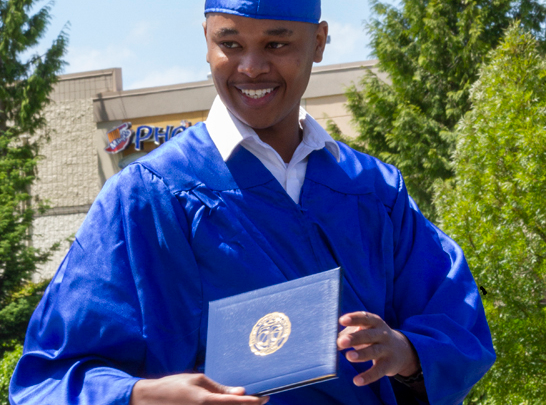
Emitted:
pixel 67 176
pixel 49 230
pixel 332 108
pixel 171 119
pixel 87 85
pixel 69 172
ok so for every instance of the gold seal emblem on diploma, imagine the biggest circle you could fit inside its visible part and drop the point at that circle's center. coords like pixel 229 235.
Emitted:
pixel 270 334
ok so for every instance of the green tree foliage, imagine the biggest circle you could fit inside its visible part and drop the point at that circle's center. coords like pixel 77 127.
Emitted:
pixel 16 312
pixel 24 88
pixel 7 366
pixel 432 51
pixel 495 208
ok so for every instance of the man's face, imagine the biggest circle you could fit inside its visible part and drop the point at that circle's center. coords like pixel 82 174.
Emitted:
pixel 261 68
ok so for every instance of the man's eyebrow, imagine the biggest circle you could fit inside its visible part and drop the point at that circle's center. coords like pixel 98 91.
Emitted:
pixel 225 32
pixel 279 32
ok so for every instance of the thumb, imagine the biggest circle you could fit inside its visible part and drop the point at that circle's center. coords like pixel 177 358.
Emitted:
pixel 218 388
pixel 235 390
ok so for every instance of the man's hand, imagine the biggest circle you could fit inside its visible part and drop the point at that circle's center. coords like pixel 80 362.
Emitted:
pixel 189 389
pixel 372 339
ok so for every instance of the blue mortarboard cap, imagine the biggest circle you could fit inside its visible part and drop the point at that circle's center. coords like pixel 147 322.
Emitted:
pixel 291 10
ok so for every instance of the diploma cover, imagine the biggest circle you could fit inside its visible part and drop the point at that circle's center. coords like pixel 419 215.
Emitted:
pixel 276 338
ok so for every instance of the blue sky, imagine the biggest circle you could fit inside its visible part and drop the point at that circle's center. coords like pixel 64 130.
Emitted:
pixel 161 42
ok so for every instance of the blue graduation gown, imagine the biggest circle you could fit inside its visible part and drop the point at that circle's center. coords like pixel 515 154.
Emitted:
pixel 181 227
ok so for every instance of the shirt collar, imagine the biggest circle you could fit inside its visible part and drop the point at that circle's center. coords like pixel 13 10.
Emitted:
pixel 227 131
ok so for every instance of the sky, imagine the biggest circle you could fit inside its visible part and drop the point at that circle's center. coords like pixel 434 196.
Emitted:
pixel 161 42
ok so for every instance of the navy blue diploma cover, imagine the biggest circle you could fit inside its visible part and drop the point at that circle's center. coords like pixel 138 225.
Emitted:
pixel 276 338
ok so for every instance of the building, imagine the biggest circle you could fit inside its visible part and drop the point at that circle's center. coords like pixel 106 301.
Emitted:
pixel 86 106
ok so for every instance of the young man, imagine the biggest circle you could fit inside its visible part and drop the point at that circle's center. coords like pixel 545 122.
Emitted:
pixel 258 195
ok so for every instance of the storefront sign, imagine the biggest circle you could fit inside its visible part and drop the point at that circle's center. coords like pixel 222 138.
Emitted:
pixel 120 137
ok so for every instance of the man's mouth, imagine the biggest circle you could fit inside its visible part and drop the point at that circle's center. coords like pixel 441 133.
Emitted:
pixel 256 94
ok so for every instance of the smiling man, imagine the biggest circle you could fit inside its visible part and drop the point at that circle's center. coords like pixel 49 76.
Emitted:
pixel 257 195
pixel 261 69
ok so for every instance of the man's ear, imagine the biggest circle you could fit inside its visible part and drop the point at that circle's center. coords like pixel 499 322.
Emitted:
pixel 321 36
pixel 205 32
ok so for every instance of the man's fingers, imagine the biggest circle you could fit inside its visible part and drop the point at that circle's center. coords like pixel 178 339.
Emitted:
pixel 221 394
pixel 361 338
pixel 348 330
pixel 361 319
pixel 356 322
pixel 372 375
pixel 372 352
pixel 235 400
pixel 203 381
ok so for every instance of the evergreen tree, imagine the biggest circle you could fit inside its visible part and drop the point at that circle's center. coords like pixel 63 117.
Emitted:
pixel 495 208
pixel 432 51
pixel 7 365
pixel 24 89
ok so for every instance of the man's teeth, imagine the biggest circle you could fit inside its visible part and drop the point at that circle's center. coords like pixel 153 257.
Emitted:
pixel 255 94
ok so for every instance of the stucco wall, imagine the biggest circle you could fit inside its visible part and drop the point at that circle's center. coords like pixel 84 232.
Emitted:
pixel 332 108
pixel 69 173
pixel 49 230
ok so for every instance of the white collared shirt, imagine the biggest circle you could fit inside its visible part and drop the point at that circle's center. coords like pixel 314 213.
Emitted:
pixel 227 132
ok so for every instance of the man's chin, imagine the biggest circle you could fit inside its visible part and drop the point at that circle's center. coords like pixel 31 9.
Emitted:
pixel 255 119
pixel 258 125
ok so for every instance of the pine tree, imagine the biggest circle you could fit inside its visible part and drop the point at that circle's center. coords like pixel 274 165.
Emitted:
pixel 24 89
pixel 432 52
pixel 495 208
pixel 7 365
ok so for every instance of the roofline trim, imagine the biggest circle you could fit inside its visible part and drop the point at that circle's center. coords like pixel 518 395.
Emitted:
pixel 209 83
pixel 89 74
pixel 152 90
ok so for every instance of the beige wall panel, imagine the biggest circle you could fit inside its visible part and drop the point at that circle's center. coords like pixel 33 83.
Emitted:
pixel 128 105
pixel 163 121
pixel 331 106
pixel 333 79
pixel 67 174
pixel 344 124
pixel 46 232
pixel 87 84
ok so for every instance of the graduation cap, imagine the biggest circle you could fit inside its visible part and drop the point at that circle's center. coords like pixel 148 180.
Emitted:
pixel 292 10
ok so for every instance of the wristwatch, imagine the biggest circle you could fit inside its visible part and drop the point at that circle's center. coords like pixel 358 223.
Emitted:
pixel 412 379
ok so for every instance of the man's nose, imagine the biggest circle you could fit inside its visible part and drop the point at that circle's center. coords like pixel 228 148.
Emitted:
pixel 254 64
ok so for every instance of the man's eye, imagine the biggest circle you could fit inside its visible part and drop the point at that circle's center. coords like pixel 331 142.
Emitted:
pixel 230 45
pixel 276 45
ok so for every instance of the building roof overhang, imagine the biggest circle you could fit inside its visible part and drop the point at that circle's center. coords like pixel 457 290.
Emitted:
pixel 198 96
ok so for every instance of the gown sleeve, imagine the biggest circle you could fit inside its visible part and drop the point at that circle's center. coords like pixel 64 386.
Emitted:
pixel 438 305
pixel 92 335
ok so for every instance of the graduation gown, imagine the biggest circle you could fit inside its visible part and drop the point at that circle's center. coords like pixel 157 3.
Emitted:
pixel 181 227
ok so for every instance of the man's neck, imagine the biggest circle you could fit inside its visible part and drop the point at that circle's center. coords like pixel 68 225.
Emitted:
pixel 283 137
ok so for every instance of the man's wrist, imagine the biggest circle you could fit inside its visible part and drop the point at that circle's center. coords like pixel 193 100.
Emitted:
pixel 412 376
pixel 413 365
pixel 140 390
